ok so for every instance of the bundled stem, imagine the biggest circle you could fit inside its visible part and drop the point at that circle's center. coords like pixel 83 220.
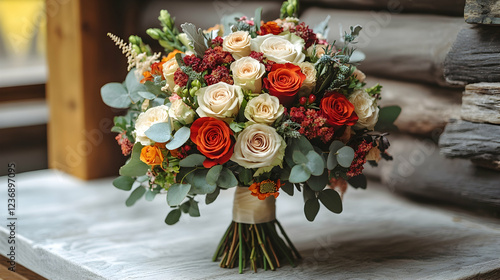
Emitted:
pixel 258 245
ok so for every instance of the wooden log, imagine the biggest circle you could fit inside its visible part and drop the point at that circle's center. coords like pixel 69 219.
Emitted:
pixel 426 109
pixel 482 11
pixel 418 169
pixel 475 141
pixel 408 47
pixel 474 57
pixel 81 59
pixel 481 103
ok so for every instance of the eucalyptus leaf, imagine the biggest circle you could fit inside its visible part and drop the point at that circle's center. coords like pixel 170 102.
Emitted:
pixel 302 144
pixel 227 179
pixel 245 176
pixel 199 182
pixel 345 155
pixel 299 174
pixel 213 174
pixel 331 161
pixel 288 188
pixel 154 89
pixel 185 206
pixel 176 193
pixel 257 16
pixel 134 86
pixel 315 163
pixel 331 199
pixel 192 160
pixel 159 132
pixel 387 116
pixel 150 195
pixel 311 208
pixel 335 146
pixel 299 157
pixel 308 193
pixel 211 197
pixel 134 167
pixel 318 183
pixel 194 211
pixel 173 217
pixel 115 95
pixel 146 95
pixel 180 138
pixel 135 195
pixel 358 182
pixel 124 183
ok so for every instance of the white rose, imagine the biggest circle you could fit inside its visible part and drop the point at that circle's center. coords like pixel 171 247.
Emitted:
pixel 169 69
pixel 181 112
pixel 366 108
pixel 220 101
pixel 280 48
pixel 238 44
pixel 264 109
pixel 146 119
pixel 247 73
pixel 309 83
pixel 259 146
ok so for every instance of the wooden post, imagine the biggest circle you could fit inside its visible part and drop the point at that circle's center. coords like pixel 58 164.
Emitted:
pixel 81 59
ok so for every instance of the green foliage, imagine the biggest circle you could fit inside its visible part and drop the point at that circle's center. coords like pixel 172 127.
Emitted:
pixel 173 217
pixel 180 137
pixel 386 118
pixel 198 181
pixel 124 183
pixel 211 197
pixel 115 95
pixel 311 208
pixel 150 195
pixel 318 183
pixel 245 176
pixel 134 167
pixel 192 160
pixel 159 132
pixel 300 173
pixel 198 39
pixel 227 179
pixel 358 182
pixel 135 195
pixel 331 200
pixel 213 174
pixel 289 8
pixel 322 27
pixel 288 188
pixel 193 211
pixel 256 18
pixel 176 193
pixel 345 155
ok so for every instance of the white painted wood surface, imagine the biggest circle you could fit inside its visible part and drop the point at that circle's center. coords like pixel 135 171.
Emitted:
pixel 70 229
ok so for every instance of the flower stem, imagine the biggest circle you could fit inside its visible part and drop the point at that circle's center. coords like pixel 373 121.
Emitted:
pixel 295 251
pixel 241 250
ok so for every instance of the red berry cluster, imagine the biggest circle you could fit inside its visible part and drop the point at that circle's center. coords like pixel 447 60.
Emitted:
pixel 357 164
pixel 304 32
pixel 312 124
pixel 124 143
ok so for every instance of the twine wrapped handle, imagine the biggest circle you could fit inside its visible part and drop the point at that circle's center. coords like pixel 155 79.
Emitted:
pixel 248 209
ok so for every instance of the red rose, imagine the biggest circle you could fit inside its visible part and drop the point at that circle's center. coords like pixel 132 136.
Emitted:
pixel 214 139
pixel 337 110
pixel 284 81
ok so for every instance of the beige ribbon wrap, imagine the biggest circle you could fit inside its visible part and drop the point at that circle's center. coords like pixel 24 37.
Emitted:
pixel 248 209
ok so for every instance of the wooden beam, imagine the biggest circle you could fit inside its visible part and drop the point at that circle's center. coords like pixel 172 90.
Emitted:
pixel 81 59
pixel 480 103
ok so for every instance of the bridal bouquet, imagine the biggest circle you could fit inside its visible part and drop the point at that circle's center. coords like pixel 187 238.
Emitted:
pixel 266 107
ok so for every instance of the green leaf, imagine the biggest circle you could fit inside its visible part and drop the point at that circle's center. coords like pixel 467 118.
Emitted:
pixel 134 86
pixel 150 195
pixel 331 199
pixel 241 112
pixel 299 157
pixel 358 182
pixel 173 217
pixel 211 197
pixel 124 183
pixel 180 138
pixel 146 95
pixel 288 188
pixel 196 37
pixel 387 116
pixel 176 193
pixel 152 88
pixel 246 176
pixel 135 195
pixel 199 182
pixel 299 174
pixel 345 156
pixel 322 27
pixel 134 167
pixel 308 193
pixel 194 211
pixel 213 174
pixel 159 132
pixel 331 161
pixel 185 206
pixel 311 208
pixel 318 183
pixel 115 95
pixel 302 144
pixel 256 18
pixel 227 179
pixel 315 163
pixel 335 146
pixel 192 160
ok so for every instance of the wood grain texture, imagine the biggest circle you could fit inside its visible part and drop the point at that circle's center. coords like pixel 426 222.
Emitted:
pixel 426 109
pixel 81 59
pixel 408 47
pixel 474 57
pixel 481 103
pixel 482 11
pixel 69 229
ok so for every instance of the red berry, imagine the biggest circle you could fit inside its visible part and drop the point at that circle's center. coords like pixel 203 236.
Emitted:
pixel 303 100
pixel 312 98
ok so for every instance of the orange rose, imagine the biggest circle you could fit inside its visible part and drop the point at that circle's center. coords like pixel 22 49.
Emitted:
pixel 337 110
pixel 214 139
pixel 151 155
pixel 171 55
pixel 270 27
pixel 284 81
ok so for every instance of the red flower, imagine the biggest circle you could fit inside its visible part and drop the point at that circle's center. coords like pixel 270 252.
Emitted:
pixel 284 81
pixel 214 139
pixel 270 27
pixel 265 189
pixel 337 110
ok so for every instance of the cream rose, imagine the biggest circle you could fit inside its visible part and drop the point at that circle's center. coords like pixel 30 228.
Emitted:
pixel 359 75
pixel 169 69
pixel 264 109
pixel 238 44
pixel 247 73
pixel 181 112
pixel 220 101
pixel 318 49
pixel 146 119
pixel 309 83
pixel 280 48
pixel 366 108
pixel 259 146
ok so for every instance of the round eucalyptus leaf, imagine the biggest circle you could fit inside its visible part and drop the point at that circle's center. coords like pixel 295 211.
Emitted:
pixel 345 155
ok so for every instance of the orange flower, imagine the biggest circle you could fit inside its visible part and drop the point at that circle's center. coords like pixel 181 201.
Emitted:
pixel 337 110
pixel 270 27
pixel 171 55
pixel 151 155
pixel 265 189
pixel 214 139
pixel 284 81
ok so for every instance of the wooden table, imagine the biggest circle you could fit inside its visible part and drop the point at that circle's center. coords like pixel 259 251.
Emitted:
pixel 71 229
